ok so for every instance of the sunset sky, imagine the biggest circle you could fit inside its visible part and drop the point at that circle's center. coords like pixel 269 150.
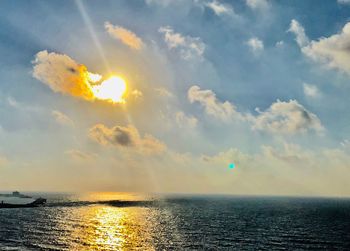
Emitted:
pixel 161 96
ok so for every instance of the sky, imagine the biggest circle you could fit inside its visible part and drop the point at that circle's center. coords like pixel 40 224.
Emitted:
pixel 258 83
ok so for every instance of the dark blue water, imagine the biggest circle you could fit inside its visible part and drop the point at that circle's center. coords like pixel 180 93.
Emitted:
pixel 186 223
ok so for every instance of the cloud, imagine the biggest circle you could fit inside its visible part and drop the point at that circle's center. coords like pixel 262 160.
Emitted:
pixel 62 118
pixel 287 118
pixel 163 92
pixel 216 6
pixel 79 155
pixel 257 4
pixel 219 8
pixel 160 2
pixel 126 138
pixel 185 121
pixel 289 153
pixel 188 47
pixel 62 74
pixel 213 106
pixel 271 158
pixel 126 36
pixel 268 157
pixel 13 102
pixel 137 94
pixel 279 44
pixel 345 144
pixel 311 90
pixel 332 51
pixel 281 117
pixel 255 45
pixel 343 1
pixel 283 169
pixel 232 155
pixel 299 31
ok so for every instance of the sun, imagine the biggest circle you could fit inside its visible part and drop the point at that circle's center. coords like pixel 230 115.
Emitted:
pixel 112 89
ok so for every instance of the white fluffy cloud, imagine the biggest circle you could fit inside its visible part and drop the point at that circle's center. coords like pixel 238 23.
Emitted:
pixel 126 138
pixel 332 51
pixel 124 35
pixel 255 45
pixel 287 118
pixel 299 32
pixel 344 1
pixel 188 47
pixel 311 90
pixel 213 106
pixel 219 8
pixel 281 117
pixel 257 4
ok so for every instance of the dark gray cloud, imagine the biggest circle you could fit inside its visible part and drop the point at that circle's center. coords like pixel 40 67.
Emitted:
pixel 126 137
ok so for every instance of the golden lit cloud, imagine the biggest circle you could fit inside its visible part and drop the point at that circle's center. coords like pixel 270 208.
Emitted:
pixel 62 74
pixel 126 36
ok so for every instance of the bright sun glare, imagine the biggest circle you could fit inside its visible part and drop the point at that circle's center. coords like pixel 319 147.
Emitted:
pixel 112 89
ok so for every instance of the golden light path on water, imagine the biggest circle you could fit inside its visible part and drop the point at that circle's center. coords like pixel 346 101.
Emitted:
pixel 106 227
pixel 110 228
pixel 115 228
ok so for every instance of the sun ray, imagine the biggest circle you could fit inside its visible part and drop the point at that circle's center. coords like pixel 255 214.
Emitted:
pixel 92 32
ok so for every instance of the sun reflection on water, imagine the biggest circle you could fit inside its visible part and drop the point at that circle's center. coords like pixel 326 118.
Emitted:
pixel 113 228
pixel 105 227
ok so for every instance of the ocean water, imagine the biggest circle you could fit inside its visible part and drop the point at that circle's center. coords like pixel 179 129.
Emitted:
pixel 135 222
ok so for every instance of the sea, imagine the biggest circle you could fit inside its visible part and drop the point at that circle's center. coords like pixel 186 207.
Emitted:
pixel 127 221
